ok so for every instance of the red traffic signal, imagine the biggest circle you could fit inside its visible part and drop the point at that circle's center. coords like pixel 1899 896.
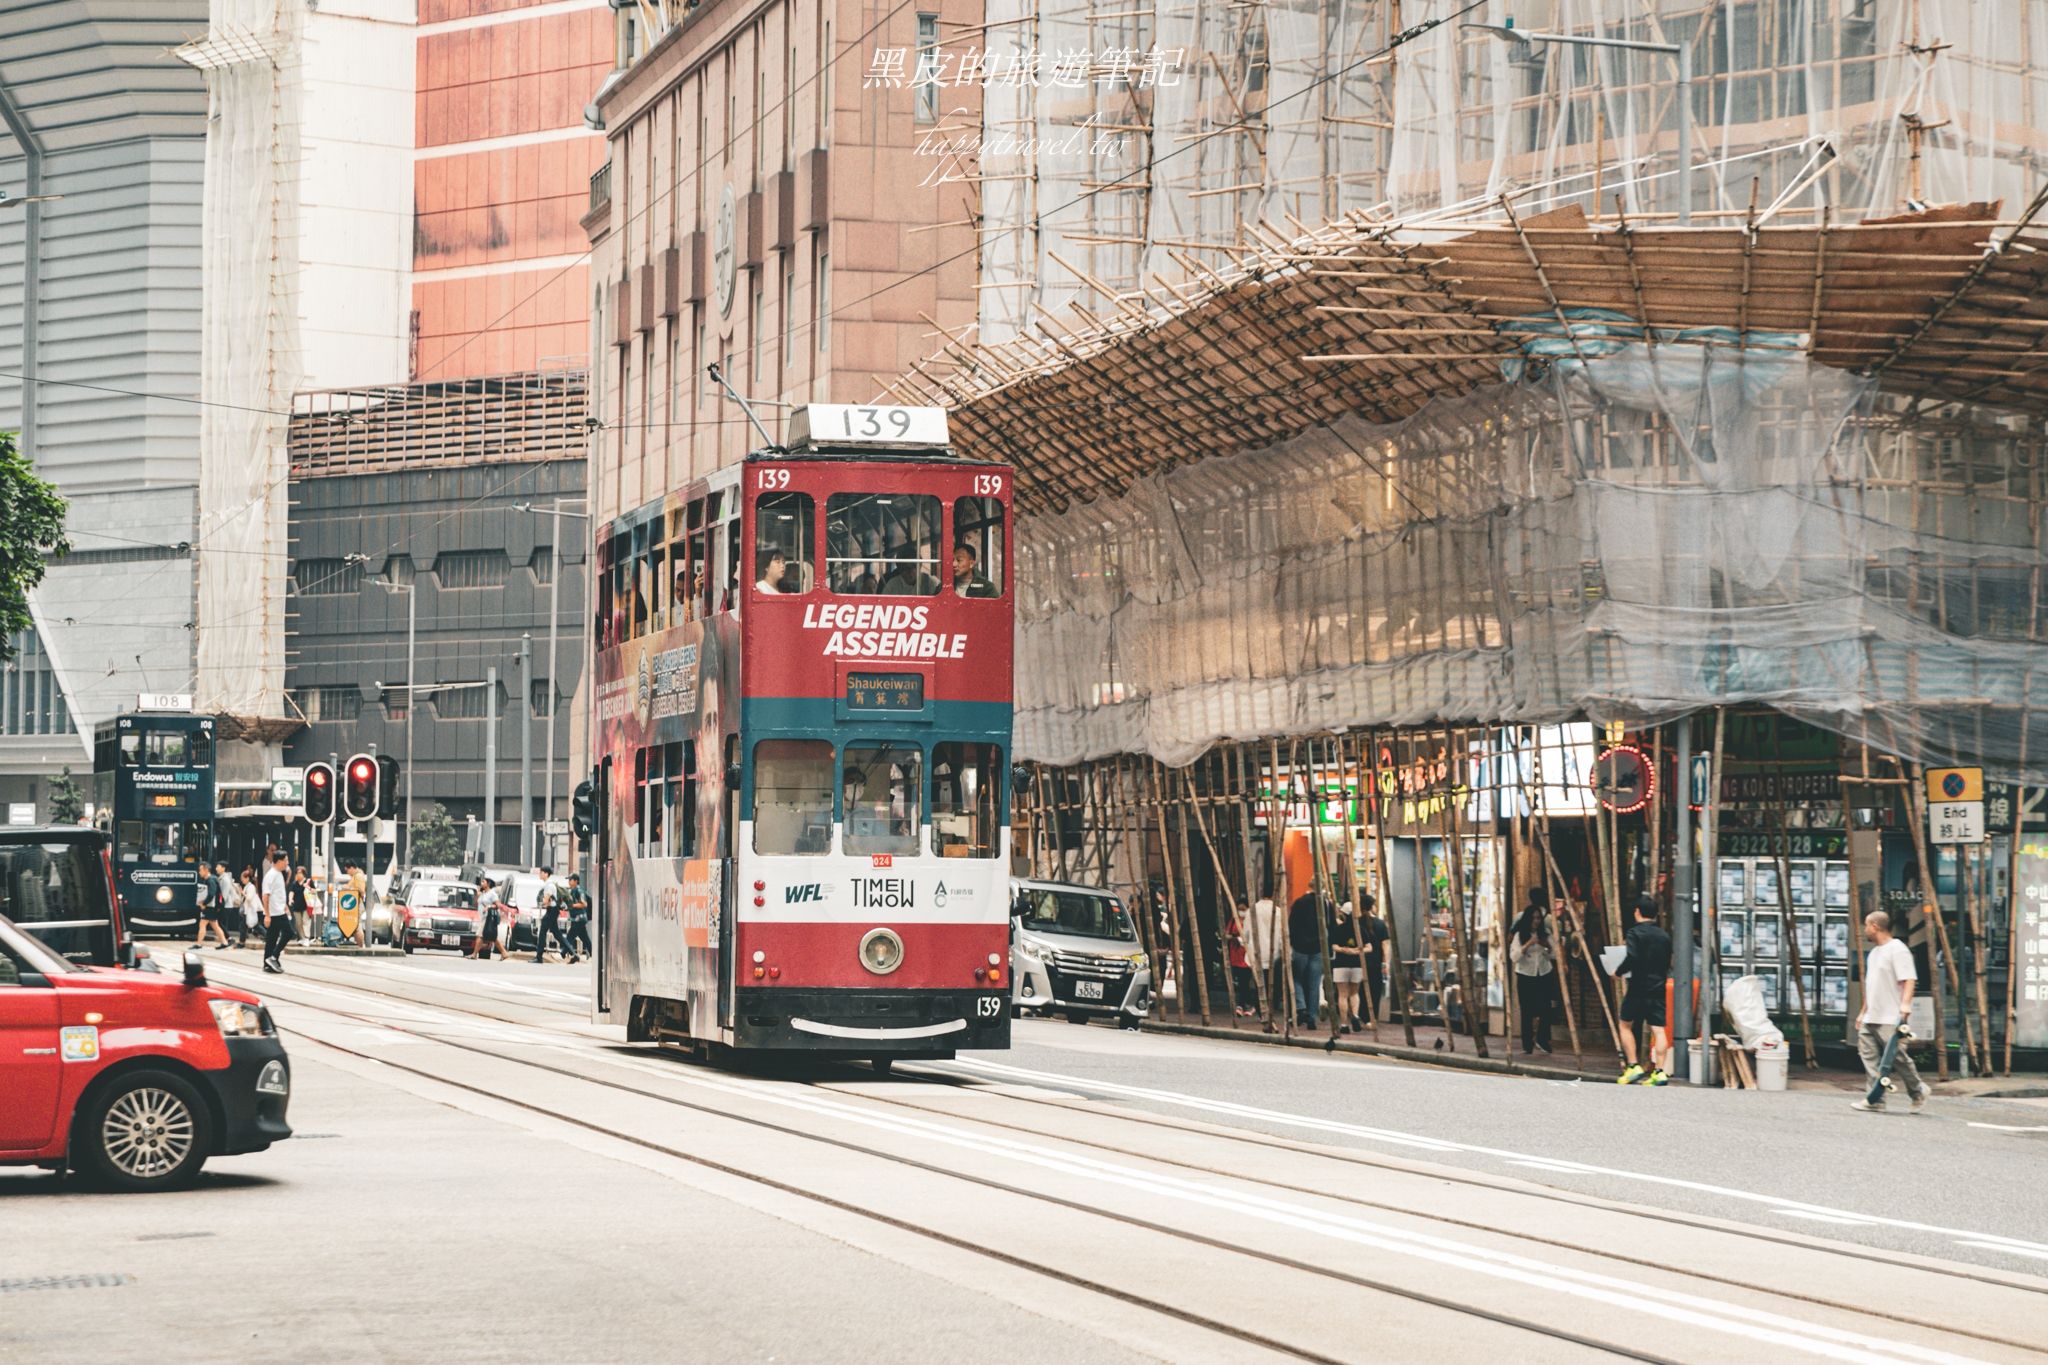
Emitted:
pixel 319 799
pixel 359 789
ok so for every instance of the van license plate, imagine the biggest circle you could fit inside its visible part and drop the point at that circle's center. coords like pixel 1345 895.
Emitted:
pixel 1087 990
pixel 451 940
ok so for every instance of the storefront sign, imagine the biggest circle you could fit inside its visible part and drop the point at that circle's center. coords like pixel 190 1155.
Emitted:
pixel 2030 958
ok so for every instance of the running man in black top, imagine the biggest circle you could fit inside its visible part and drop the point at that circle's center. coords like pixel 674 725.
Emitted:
pixel 1647 965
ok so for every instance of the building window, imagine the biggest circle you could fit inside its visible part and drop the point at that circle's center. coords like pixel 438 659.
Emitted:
pixel 33 703
pixel 925 75
pixel 754 321
pixel 463 703
pixel 542 564
pixel 788 312
pixel 789 109
pixel 826 61
pixel 330 703
pixel 675 372
pixel 822 287
pixel 327 577
pixel 394 697
pixel 459 569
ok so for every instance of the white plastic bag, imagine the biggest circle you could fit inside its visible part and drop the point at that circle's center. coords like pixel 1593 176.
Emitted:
pixel 1744 1001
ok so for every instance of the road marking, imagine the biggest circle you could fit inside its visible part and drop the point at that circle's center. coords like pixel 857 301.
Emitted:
pixel 1846 1219
pixel 2012 1127
pixel 1634 1297
pixel 2000 1246
pixel 495 983
pixel 1562 1167
pixel 1176 1098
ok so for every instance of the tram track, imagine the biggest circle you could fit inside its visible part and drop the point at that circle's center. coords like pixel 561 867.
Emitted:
pixel 1665 1218
pixel 1122 1114
pixel 1143 1301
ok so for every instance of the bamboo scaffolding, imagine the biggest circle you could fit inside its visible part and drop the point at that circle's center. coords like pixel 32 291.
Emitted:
pixel 1451 825
pixel 1194 915
pixel 1397 967
pixel 1177 960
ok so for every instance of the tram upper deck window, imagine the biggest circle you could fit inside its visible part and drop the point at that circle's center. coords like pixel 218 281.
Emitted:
pixel 978 547
pixel 793 796
pixel 163 748
pixel 783 536
pixel 884 544
pixel 883 790
pixel 131 749
pixel 966 797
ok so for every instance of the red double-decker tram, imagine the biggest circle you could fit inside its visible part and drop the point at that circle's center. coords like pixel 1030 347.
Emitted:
pixel 803 703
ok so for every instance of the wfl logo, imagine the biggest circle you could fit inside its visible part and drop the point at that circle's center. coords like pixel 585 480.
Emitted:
pixel 810 893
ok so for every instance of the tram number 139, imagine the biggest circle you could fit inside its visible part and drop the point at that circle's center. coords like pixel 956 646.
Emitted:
pixel 988 1006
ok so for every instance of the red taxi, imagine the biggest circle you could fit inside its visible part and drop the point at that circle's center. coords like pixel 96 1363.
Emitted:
pixel 131 1078
pixel 432 913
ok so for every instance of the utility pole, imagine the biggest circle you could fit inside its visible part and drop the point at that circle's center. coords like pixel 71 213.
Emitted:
pixel 525 712
pixel 1682 918
pixel 491 765
pixel 554 635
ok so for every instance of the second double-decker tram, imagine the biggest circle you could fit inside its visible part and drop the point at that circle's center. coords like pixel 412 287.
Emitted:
pixel 803 716
pixel 153 785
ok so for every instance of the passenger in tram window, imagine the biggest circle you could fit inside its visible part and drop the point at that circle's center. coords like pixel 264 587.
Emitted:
pixel 967 579
pixel 773 565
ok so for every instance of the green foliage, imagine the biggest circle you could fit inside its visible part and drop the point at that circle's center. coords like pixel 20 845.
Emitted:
pixel 31 527
pixel 435 841
pixel 67 802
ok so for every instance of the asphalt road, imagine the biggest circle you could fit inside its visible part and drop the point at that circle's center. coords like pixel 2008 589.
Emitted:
pixel 481 1174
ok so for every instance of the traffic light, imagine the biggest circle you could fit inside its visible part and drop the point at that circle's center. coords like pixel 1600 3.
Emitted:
pixel 319 793
pixel 583 810
pixel 387 786
pixel 359 788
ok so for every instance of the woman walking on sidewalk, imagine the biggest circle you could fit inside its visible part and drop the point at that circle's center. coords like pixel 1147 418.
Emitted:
pixel 1347 967
pixel 1535 961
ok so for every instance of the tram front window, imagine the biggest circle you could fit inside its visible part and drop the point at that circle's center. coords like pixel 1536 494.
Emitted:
pixel 966 794
pixel 793 796
pixel 883 544
pixel 882 789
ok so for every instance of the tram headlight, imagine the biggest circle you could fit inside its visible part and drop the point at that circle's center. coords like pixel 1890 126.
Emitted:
pixel 163 895
pixel 881 951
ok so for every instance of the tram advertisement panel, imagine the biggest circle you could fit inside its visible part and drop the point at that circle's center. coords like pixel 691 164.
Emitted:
pixel 664 705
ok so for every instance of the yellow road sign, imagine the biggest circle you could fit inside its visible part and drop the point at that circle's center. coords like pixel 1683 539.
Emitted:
pixel 1955 784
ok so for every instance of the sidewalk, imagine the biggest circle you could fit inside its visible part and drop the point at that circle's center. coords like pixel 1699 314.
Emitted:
pixel 1433 1049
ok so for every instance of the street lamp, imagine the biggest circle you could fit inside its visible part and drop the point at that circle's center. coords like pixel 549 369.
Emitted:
pixel 1520 39
pixel 555 515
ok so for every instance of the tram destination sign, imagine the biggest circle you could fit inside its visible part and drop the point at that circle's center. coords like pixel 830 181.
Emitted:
pixel 874 424
pixel 867 693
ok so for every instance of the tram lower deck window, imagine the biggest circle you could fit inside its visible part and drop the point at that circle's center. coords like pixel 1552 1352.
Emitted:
pixel 883 789
pixel 793 796
pixel 966 800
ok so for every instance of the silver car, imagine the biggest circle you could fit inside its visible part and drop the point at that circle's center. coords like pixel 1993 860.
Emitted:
pixel 1074 951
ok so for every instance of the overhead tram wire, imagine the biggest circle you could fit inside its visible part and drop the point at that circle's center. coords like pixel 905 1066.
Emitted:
pixel 583 257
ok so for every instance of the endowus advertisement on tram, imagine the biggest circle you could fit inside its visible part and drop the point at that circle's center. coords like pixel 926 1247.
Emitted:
pixel 804 696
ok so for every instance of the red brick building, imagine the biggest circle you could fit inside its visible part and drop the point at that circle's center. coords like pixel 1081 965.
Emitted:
pixel 769 208
pixel 500 179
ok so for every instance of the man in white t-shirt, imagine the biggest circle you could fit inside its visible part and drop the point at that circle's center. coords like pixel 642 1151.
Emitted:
pixel 1888 980
pixel 277 920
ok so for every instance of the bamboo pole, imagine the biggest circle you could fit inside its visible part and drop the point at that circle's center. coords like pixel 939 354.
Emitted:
pixel 2012 910
pixel 1397 974
pixel 1222 880
pixel 1355 765
pixel 1977 863
pixel 1278 827
pixel 1930 906
pixel 1194 913
pixel 1710 932
pixel 1451 826
pixel 1576 926
pixel 1259 953
pixel 1319 871
pixel 1791 911
pixel 1176 959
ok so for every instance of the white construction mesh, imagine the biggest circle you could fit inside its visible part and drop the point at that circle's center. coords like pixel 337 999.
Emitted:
pixel 1637 535
pixel 1294 108
pixel 250 368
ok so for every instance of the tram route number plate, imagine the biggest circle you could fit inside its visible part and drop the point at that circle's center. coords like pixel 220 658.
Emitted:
pixel 866 692
pixel 1087 990
pixel 988 1006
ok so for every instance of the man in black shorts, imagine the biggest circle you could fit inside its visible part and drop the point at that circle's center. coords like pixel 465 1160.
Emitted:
pixel 1647 965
